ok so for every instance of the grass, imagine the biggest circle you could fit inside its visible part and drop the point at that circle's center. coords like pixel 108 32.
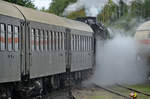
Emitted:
pixel 102 94
pixel 144 88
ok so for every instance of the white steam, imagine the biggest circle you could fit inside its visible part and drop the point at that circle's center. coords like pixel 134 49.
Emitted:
pixel 116 62
pixel 92 7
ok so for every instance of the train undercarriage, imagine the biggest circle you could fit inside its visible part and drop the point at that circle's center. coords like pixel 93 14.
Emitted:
pixel 37 88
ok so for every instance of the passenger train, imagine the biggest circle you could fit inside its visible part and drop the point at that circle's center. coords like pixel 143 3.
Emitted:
pixel 142 36
pixel 41 51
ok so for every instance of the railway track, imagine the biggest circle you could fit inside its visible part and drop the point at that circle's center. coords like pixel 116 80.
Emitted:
pixel 134 90
pixel 113 91
pixel 124 91
pixel 118 90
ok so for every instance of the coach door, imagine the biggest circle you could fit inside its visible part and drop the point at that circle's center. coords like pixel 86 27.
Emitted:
pixel 9 53
pixel 68 50
pixel 25 53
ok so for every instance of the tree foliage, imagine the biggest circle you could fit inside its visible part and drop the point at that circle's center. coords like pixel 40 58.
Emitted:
pixel 26 3
pixel 76 14
pixel 112 12
pixel 146 9
pixel 58 6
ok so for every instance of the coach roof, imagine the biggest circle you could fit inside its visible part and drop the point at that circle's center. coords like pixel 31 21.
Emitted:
pixel 42 17
pixel 144 26
pixel 9 10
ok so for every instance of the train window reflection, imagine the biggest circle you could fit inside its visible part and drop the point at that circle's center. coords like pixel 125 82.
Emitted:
pixel 41 41
pixel 33 39
pixel 10 38
pixel 37 39
pixel 2 36
pixel 16 38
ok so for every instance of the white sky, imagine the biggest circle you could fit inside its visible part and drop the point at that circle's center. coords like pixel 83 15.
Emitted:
pixel 42 3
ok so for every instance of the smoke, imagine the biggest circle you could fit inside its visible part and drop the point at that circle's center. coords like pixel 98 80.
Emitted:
pixel 92 7
pixel 117 62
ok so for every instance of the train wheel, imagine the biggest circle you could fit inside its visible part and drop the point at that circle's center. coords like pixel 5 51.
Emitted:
pixel 55 82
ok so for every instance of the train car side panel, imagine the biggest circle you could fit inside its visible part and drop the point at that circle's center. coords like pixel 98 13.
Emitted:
pixel 48 53
pixel 9 49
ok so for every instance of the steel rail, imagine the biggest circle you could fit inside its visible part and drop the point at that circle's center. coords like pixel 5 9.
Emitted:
pixel 112 91
pixel 146 94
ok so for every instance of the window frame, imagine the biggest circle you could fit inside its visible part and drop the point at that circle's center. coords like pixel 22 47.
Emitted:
pixel 11 34
pixel 17 36
pixel 5 37
pixel 37 38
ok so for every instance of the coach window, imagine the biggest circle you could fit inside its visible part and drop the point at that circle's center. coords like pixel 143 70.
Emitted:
pixel 41 41
pixel 64 40
pixel 89 43
pixel 37 40
pixel 56 40
pixel 75 42
pixel 72 42
pixel 86 43
pixel 60 40
pixel 16 38
pixel 92 43
pixel 83 43
pixel 62 44
pixel 2 36
pixel 80 43
pixel 47 42
pixel 33 39
pixel 77 37
pixel 51 40
pixel 10 37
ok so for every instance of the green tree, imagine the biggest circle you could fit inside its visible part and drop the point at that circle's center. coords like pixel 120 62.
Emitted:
pixel 58 6
pixel 76 14
pixel 136 8
pixel 123 8
pixel 109 12
pixel 26 3
pixel 146 9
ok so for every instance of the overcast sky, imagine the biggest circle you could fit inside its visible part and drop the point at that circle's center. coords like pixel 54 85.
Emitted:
pixel 42 3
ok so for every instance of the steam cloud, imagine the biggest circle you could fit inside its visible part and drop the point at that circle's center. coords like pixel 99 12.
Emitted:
pixel 116 62
pixel 92 7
